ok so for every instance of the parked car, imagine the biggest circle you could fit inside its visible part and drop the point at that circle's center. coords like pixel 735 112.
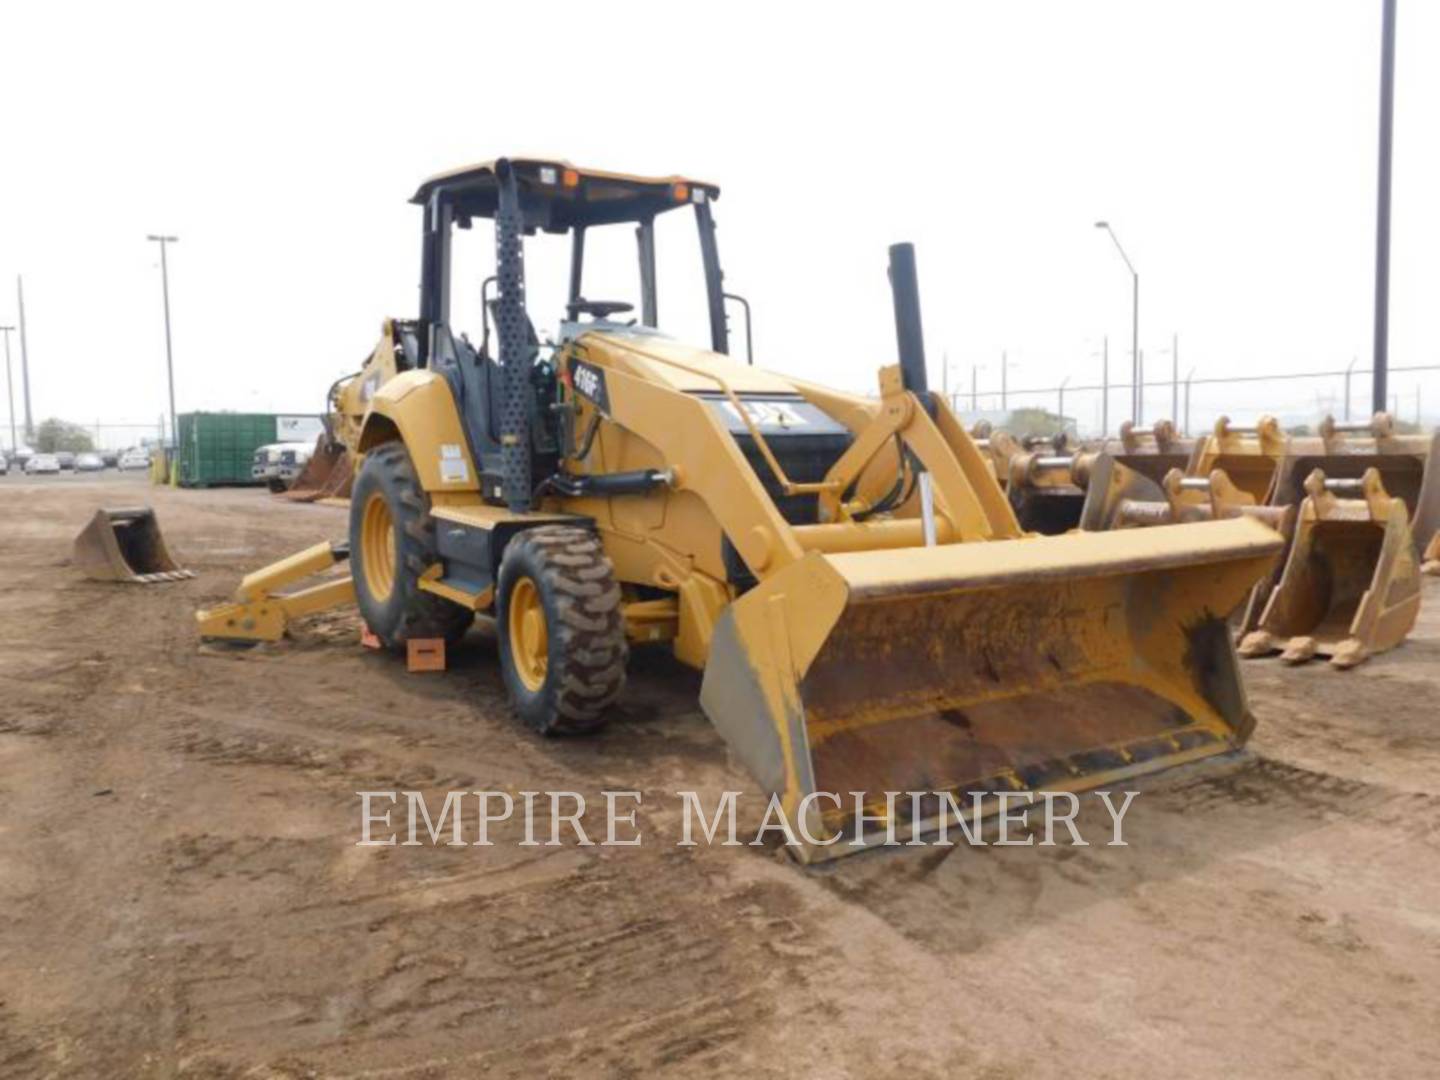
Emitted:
pixel 294 457
pixel 265 463
pixel 42 463
pixel 66 458
pixel 278 464
pixel 89 463
pixel 134 459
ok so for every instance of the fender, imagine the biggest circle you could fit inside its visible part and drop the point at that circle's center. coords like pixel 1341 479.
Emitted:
pixel 418 408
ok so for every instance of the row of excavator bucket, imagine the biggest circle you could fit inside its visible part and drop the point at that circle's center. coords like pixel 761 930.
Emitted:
pixel 1357 505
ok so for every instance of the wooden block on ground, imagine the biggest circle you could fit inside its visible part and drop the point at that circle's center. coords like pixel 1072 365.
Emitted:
pixel 425 654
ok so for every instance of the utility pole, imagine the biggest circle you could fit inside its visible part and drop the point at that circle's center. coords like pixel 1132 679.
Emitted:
pixel 974 382
pixel 1174 376
pixel 1063 382
pixel 1137 404
pixel 1188 377
pixel 1347 386
pixel 10 387
pixel 1140 389
pixel 1382 206
pixel 164 241
pixel 24 359
pixel 1005 382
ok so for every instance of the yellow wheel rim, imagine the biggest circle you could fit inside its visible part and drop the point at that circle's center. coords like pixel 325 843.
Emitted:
pixel 377 547
pixel 529 640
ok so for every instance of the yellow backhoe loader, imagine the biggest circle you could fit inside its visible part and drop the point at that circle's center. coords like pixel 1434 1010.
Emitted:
pixel 867 612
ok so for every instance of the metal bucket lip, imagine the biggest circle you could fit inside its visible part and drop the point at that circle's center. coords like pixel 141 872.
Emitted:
pixel 1075 556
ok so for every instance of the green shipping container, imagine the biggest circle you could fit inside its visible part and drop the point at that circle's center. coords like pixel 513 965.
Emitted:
pixel 217 448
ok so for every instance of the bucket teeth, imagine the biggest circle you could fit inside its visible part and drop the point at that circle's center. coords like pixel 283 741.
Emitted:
pixel 1348 654
pixel 1300 649
pixel 1257 643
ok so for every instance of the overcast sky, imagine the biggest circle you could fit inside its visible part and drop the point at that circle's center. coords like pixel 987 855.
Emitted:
pixel 1231 145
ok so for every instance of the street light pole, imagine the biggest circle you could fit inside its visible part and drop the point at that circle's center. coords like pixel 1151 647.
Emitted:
pixel 1136 391
pixel 164 241
pixel 1105 387
pixel 10 387
pixel 1382 207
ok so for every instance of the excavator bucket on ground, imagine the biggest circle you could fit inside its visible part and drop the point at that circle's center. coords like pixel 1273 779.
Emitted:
pixel 328 474
pixel 126 545
pixel 1153 452
pixel 1045 483
pixel 1049 663
pixel 1049 481
pixel 996 447
pixel 1350 586
pixel 1409 467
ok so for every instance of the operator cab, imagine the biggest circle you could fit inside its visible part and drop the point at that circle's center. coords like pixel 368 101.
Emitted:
pixel 525 197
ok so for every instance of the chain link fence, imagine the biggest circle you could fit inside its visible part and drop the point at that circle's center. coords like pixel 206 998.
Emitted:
pixel 1193 402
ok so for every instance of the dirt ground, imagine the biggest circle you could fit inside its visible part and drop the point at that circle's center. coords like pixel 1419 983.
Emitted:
pixel 183 893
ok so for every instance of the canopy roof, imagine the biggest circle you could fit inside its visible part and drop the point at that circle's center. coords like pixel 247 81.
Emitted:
pixel 557 195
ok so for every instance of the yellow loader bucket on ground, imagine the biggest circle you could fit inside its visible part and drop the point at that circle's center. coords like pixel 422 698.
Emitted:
pixel 126 545
pixel 1052 663
pixel 1350 586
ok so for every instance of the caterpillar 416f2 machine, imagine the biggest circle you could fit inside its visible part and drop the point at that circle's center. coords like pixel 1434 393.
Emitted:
pixel 868 615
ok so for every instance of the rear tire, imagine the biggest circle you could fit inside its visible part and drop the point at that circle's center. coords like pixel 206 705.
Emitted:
pixel 392 542
pixel 562 633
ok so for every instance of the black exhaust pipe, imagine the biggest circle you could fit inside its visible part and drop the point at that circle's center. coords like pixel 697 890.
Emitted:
pixel 905 290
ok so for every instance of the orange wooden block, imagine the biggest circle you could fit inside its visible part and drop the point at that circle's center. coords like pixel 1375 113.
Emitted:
pixel 425 654
pixel 368 639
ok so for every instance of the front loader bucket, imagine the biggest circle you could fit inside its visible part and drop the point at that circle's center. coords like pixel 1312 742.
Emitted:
pixel 126 545
pixel 1350 586
pixel 1050 663
pixel 327 475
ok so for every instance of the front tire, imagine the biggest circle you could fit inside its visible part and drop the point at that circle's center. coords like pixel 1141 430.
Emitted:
pixel 392 542
pixel 562 633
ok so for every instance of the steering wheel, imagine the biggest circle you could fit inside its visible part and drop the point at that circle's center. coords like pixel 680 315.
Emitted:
pixel 597 309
